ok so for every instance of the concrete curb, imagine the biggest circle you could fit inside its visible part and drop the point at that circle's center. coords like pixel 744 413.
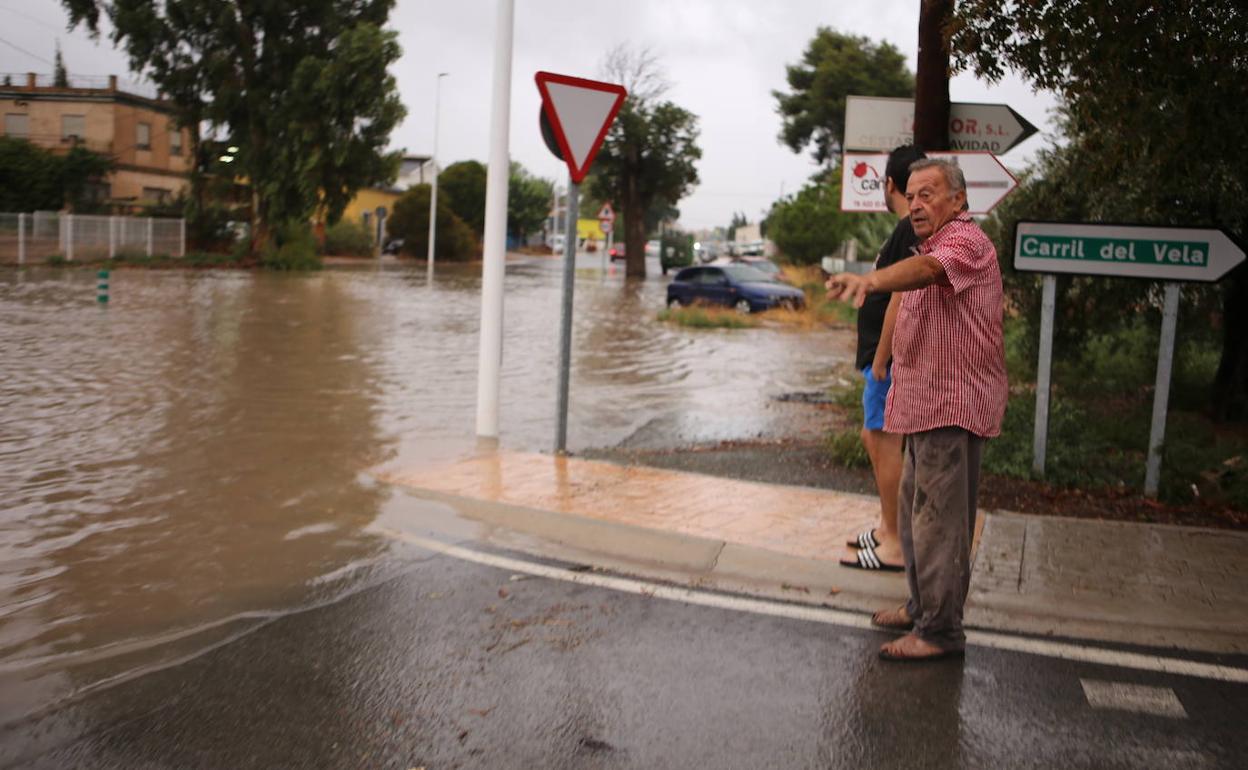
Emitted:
pixel 705 563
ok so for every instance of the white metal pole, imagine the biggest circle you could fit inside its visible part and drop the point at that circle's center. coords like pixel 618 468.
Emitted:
pixel 181 237
pixel 1161 393
pixel 149 236
pixel 21 238
pixel 1044 371
pixel 69 237
pixel 490 359
pixel 433 197
pixel 112 237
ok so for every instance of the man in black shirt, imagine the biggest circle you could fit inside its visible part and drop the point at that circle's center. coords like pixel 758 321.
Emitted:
pixel 879 548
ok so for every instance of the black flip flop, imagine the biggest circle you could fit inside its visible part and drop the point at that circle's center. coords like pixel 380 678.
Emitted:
pixel 869 560
pixel 865 539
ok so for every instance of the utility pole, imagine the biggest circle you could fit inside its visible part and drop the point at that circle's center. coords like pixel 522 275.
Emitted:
pixel 490 354
pixel 931 82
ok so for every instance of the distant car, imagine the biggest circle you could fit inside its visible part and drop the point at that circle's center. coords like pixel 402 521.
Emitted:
pixel 617 252
pixel 555 242
pixel 737 286
pixel 764 266
pixel 393 246
pixel 652 248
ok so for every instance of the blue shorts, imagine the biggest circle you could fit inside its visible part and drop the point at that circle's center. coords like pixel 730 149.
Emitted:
pixel 874 397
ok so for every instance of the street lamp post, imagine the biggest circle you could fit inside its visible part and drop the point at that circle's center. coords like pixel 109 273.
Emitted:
pixel 433 198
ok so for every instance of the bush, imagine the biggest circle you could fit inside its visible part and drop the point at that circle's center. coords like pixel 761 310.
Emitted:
pixel 348 239
pixel 211 259
pixel 845 447
pixel 296 249
pixel 410 221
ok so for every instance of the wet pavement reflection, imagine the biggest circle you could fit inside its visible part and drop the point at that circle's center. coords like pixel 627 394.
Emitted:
pixel 199 456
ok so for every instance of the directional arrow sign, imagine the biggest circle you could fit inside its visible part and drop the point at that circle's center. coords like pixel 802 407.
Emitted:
pixel 579 113
pixel 880 123
pixel 862 180
pixel 1163 253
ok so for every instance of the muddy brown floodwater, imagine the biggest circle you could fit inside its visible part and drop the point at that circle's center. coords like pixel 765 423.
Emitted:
pixel 196 458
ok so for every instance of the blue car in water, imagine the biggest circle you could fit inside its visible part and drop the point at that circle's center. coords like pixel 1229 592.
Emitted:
pixel 738 286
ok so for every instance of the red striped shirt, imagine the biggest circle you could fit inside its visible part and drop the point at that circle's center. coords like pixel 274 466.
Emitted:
pixel 948 349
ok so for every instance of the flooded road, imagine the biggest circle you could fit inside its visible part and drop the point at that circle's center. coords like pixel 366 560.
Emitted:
pixel 197 458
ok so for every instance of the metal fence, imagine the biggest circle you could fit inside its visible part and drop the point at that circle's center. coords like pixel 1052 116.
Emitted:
pixel 38 237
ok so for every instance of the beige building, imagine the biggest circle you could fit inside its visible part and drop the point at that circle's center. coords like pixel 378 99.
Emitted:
pixel 152 156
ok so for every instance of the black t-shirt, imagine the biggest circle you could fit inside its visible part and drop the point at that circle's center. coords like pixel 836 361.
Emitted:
pixel 899 245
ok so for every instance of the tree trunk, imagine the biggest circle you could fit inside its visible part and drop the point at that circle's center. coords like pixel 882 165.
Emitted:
pixel 1230 384
pixel 931 82
pixel 634 230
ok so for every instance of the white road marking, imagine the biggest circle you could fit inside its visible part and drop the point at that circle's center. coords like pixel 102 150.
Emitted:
pixel 1122 696
pixel 1042 647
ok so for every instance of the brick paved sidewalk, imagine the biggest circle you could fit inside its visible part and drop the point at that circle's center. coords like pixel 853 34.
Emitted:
pixel 1135 583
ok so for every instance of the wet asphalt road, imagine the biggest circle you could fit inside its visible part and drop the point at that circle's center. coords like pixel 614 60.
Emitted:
pixel 453 664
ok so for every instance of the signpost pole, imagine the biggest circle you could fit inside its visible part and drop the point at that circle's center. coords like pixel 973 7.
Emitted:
pixel 1044 374
pixel 1161 394
pixel 565 318
pixel 606 253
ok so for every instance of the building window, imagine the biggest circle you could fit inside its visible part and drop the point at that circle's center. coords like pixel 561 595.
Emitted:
pixel 143 137
pixel 73 127
pixel 17 124
pixel 175 140
pixel 97 192
pixel 157 194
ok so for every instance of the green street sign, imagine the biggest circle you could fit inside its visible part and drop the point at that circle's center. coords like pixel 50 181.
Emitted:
pixel 1160 253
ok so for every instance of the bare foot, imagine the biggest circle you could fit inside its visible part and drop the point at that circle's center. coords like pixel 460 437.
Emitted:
pixel 896 618
pixel 889 549
pixel 912 648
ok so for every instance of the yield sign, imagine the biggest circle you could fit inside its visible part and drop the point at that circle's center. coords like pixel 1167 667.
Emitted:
pixel 606 214
pixel 580 112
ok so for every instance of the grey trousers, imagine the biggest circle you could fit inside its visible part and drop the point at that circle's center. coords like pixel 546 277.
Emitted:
pixel 936 520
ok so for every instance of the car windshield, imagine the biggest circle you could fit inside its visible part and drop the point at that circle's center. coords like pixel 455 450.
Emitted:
pixel 747 274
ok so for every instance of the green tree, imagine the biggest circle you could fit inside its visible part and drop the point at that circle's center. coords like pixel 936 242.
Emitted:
pixel 528 201
pixel 810 225
pixel 1155 138
pixel 410 221
pixel 301 88
pixel 463 186
pixel 835 66
pixel 650 154
pixel 738 220
pixel 60 75
pixel 48 181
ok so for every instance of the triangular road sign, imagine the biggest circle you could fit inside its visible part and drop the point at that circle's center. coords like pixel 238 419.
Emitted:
pixel 606 213
pixel 580 112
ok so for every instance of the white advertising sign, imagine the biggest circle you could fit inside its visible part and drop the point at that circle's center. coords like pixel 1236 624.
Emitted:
pixel 862 180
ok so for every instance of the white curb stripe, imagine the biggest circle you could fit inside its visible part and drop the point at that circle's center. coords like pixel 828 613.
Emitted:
pixel 1042 647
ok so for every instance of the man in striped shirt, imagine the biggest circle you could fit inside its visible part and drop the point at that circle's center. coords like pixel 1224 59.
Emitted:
pixel 948 397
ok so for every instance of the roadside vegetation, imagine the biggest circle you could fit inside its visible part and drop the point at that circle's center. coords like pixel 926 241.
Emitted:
pixel 1099 417
pixel 708 317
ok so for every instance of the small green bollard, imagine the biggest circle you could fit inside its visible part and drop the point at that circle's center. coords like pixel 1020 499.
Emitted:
pixel 101 295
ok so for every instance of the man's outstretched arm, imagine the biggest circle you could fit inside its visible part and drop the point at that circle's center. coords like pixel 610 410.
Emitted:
pixel 908 274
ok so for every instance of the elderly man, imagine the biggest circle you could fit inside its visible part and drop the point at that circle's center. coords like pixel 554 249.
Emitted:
pixel 948 396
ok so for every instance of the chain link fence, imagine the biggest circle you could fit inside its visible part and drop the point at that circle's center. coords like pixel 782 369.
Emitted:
pixel 43 235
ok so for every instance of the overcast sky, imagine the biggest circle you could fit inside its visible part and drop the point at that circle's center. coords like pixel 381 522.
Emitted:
pixel 723 58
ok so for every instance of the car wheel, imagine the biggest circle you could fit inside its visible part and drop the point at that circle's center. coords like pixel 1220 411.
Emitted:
pixel 742 306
